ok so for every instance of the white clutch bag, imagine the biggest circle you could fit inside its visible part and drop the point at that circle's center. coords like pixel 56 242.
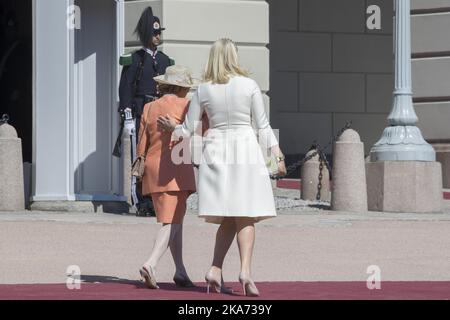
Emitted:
pixel 272 165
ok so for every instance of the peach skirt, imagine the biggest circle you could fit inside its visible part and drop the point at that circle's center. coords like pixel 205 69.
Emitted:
pixel 170 206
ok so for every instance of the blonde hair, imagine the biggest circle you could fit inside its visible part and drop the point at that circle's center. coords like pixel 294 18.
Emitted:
pixel 223 63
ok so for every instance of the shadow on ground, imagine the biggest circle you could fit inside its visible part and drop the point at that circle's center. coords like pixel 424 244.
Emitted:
pixel 326 207
pixel 93 279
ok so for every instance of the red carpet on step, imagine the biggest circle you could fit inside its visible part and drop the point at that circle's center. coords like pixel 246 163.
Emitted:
pixel 269 291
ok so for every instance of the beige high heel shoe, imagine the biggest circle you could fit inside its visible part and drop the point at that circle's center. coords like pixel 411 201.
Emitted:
pixel 248 286
pixel 216 283
pixel 148 276
pixel 213 282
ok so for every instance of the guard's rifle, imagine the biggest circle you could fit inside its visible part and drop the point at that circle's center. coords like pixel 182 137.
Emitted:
pixel 117 152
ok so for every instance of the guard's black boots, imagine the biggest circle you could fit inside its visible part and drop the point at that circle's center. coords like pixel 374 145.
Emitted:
pixel 145 209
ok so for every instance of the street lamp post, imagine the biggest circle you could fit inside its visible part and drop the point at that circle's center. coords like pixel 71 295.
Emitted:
pixel 402 140
pixel 403 175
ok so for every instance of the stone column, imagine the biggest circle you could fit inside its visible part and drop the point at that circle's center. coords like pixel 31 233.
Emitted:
pixel 310 179
pixel 402 140
pixel 349 176
pixel 403 175
pixel 11 169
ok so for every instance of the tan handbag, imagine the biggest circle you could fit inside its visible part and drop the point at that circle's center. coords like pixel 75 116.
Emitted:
pixel 138 167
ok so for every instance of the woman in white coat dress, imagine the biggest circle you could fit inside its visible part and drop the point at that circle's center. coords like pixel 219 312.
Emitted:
pixel 234 184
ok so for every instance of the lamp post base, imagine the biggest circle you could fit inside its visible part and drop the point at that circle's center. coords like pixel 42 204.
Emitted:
pixel 402 143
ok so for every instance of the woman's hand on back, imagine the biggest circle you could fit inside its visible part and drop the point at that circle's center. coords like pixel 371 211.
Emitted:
pixel 166 124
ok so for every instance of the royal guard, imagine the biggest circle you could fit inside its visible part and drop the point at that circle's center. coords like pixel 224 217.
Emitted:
pixel 137 88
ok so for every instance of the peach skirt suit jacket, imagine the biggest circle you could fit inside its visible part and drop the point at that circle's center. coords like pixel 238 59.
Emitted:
pixel 169 184
pixel 233 178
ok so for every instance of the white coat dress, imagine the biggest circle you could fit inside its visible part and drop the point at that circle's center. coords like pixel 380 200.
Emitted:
pixel 233 179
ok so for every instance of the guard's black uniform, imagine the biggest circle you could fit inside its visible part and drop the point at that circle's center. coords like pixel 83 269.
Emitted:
pixel 138 87
pixel 153 67
pixel 136 98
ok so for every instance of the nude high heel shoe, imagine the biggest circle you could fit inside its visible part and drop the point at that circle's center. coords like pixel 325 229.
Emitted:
pixel 248 286
pixel 213 282
pixel 148 276
pixel 216 283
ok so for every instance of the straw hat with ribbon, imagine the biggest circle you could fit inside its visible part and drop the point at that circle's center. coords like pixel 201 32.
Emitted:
pixel 178 76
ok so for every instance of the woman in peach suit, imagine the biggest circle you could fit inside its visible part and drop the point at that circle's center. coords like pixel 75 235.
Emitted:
pixel 169 184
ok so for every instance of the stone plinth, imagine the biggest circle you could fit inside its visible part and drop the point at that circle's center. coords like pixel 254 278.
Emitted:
pixel 349 176
pixel 82 206
pixel 11 170
pixel 443 156
pixel 404 186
